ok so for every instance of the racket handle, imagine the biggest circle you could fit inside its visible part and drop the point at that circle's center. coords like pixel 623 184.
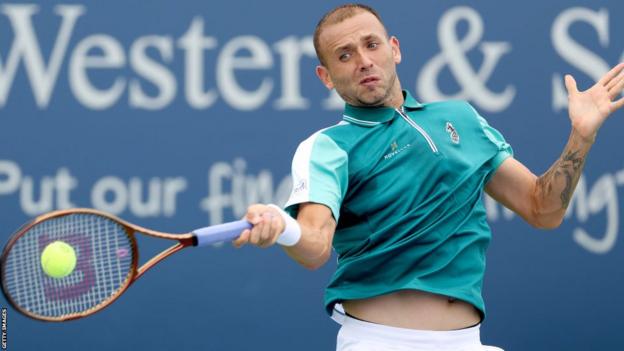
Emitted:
pixel 220 232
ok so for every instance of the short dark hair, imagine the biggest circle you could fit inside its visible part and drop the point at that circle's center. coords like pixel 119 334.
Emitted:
pixel 338 15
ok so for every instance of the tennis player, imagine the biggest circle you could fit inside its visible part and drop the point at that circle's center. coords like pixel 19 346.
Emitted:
pixel 396 188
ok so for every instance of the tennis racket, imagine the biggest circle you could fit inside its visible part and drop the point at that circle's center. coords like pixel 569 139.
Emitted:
pixel 106 261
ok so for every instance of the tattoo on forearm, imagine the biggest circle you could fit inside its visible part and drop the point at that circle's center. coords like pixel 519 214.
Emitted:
pixel 569 168
pixel 572 165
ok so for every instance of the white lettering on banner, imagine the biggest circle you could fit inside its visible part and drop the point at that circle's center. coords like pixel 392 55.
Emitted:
pixel 59 185
pixel 575 54
pixel 453 54
pixel 10 177
pixel 112 56
pixel 117 190
pixel 248 52
pixel 156 197
pixel 26 48
pixel 156 73
pixel 27 196
pixel 228 62
pixel 194 43
pixel 603 196
pixel 231 189
pixel 290 50
pixel 244 189
pixel 112 194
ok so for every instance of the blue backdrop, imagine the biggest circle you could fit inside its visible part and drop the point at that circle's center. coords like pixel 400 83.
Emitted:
pixel 175 115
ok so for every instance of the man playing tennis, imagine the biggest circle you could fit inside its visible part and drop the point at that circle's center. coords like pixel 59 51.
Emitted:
pixel 396 189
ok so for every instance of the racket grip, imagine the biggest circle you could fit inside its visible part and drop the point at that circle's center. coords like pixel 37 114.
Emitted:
pixel 220 232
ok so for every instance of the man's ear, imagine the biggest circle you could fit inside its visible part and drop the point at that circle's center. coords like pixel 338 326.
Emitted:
pixel 396 49
pixel 323 75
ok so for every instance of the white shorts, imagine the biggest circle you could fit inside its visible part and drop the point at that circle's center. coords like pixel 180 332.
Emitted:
pixel 357 335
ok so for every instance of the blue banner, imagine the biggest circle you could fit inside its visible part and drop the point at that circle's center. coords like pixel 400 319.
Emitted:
pixel 177 115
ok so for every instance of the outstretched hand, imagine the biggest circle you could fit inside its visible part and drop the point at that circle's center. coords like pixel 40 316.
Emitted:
pixel 590 108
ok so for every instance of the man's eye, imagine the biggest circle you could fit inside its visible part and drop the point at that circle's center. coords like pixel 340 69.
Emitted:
pixel 345 57
pixel 372 45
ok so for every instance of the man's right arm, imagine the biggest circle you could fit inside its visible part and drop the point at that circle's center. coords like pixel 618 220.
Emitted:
pixel 317 231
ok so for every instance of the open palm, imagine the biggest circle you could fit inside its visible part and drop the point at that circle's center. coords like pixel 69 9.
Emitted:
pixel 590 108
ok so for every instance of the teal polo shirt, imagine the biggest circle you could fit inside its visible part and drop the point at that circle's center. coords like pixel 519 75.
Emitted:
pixel 405 187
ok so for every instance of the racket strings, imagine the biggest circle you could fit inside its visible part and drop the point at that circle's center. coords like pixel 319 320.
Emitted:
pixel 104 265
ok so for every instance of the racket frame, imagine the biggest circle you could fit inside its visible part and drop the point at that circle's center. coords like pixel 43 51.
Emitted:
pixel 183 241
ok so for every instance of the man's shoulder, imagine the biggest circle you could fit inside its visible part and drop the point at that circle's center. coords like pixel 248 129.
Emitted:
pixel 335 134
pixel 339 133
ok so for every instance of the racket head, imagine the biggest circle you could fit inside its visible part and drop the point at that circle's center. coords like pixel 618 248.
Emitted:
pixel 106 265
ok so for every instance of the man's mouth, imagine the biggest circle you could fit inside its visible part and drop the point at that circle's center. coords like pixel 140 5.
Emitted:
pixel 371 80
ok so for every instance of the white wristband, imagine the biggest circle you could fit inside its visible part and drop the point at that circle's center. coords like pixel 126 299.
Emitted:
pixel 292 231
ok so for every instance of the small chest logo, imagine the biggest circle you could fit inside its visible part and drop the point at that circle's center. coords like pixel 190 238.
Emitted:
pixel 395 150
pixel 452 132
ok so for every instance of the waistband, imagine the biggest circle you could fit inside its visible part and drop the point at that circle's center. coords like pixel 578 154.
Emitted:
pixel 425 339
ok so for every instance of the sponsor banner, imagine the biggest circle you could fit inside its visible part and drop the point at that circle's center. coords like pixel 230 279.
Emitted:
pixel 176 115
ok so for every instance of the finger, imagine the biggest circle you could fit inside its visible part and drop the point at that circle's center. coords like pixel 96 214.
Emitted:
pixel 618 104
pixel 265 235
pixel 254 212
pixel 272 232
pixel 617 87
pixel 611 74
pixel 253 217
pixel 254 236
pixel 615 80
pixel 570 84
pixel 242 239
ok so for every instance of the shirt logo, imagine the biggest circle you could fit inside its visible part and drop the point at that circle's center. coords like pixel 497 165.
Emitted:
pixel 300 186
pixel 395 150
pixel 452 132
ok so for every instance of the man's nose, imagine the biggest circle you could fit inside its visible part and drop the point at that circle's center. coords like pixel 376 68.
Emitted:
pixel 365 62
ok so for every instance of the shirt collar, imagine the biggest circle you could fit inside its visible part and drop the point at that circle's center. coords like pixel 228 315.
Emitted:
pixel 371 116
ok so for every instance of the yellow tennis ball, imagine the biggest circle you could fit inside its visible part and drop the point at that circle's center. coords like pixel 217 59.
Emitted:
pixel 58 259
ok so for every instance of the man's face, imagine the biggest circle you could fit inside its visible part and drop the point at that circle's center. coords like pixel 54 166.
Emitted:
pixel 360 61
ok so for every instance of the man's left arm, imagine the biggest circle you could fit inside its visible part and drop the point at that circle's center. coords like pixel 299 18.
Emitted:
pixel 542 201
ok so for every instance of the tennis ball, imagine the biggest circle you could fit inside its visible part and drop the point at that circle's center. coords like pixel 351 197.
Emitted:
pixel 58 259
